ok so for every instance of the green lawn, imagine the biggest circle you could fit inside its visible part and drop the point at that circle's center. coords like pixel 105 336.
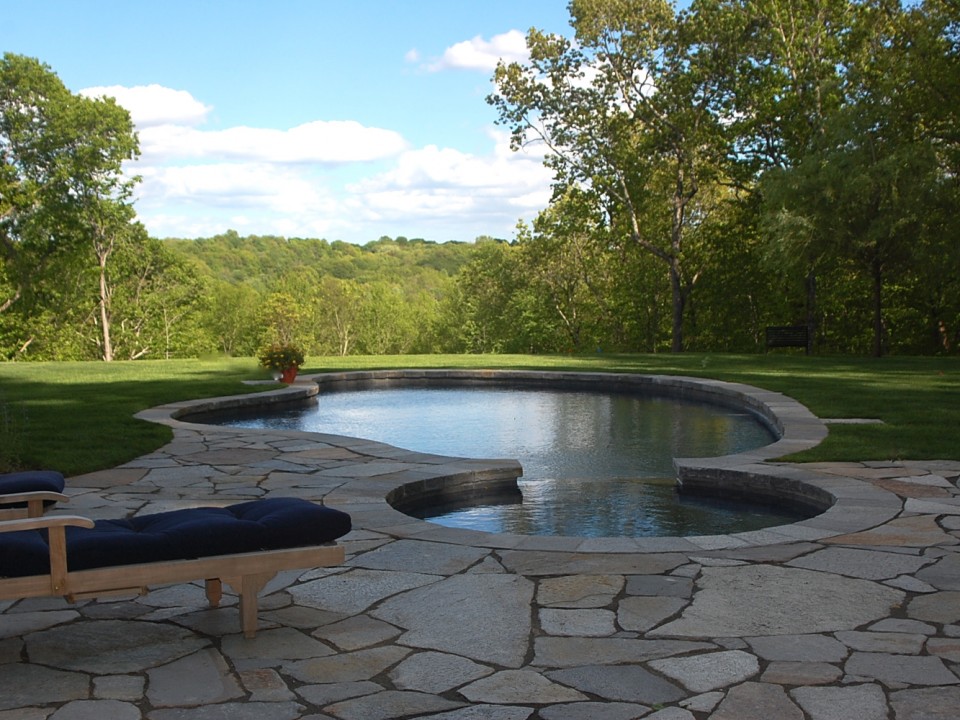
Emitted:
pixel 77 417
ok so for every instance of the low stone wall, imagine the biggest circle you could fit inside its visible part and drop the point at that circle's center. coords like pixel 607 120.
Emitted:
pixel 847 503
pixel 193 411
pixel 455 490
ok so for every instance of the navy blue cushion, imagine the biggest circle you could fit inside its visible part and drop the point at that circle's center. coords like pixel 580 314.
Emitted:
pixel 270 524
pixel 24 553
pixel 30 481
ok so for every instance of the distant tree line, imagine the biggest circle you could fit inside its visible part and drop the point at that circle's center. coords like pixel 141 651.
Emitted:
pixel 734 165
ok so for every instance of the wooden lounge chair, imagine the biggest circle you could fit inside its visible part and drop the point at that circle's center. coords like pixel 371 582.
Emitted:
pixel 244 545
pixel 29 493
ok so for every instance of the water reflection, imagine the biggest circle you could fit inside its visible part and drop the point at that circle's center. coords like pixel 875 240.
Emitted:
pixel 595 464
pixel 614 508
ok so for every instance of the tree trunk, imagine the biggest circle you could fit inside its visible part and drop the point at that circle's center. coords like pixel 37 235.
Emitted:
pixel 684 191
pixel 877 309
pixel 811 308
pixel 676 288
pixel 673 261
pixel 105 310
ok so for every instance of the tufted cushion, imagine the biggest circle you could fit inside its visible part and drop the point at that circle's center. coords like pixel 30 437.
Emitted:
pixel 30 481
pixel 271 524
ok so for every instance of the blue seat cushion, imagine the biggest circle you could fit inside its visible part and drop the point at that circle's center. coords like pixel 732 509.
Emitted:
pixel 272 524
pixel 30 481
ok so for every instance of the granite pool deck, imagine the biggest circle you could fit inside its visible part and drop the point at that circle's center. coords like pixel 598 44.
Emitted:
pixel 855 616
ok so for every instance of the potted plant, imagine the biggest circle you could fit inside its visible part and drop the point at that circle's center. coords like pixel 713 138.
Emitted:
pixel 284 359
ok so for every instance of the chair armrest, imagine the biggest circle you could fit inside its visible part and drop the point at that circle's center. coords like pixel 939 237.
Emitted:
pixel 46 522
pixel 56 526
pixel 34 502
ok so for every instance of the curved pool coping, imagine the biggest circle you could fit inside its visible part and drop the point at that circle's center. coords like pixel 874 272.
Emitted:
pixel 850 505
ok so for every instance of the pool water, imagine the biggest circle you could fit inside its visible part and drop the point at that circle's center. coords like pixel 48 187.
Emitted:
pixel 596 464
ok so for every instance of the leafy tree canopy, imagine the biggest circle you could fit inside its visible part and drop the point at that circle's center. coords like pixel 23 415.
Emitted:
pixel 60 154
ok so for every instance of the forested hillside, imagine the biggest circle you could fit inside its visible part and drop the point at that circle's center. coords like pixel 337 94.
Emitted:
pixel 385 297
pixel 264 260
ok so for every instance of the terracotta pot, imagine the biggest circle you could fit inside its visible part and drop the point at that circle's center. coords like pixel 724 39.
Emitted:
pixel 288 375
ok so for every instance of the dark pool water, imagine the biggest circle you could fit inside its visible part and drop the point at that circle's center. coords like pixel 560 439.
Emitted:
pixel 596 464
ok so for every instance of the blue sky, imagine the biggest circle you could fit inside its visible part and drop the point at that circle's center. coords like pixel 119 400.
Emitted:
pixel 345 119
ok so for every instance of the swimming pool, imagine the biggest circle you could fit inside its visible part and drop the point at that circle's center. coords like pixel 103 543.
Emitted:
pixel 596 463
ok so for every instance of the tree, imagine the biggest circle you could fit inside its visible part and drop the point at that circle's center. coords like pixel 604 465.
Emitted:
pixel 632 110
pixel 61 172
pixel 787 80
pixel 928 101
pixel 284 318
pixel 921 62
pixel 786 86
pixel 564 259
pixel 108 223
pixel 156 301
pixel 338 304
pixel 863 193
pixel 386 323
pixel 481 313
pixel 231 315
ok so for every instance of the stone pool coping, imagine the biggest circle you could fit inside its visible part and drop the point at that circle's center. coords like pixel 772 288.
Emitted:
pixel 851 504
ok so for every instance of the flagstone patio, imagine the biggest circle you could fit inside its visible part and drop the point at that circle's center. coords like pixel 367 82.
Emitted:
pixel 853 615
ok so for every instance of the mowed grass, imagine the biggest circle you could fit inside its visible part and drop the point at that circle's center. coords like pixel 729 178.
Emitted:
pixel 78 417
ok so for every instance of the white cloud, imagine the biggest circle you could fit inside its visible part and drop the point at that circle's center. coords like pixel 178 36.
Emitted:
pixel 502 173
pixel 314 142
pixel 256 198
pixel 234 185
pixel 334 179
pixel 439 184
pixel 432 192
pixel 166 120
pixel 151 105
pixel 480 54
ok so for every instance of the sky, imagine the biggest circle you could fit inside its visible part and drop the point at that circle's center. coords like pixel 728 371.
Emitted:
pixel 337 119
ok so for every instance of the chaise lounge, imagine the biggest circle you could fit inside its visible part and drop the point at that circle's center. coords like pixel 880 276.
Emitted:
pixel 29 492
pixel 244 545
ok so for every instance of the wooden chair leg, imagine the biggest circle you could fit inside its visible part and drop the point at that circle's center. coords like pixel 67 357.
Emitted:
pixel 247 587
pixel 214 590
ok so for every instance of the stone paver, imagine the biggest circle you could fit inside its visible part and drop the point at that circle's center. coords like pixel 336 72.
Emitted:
pixel 646 612
pixel 199 679
pixel 594 711
pixel 390 704
pixel 457 615
pixel 709 671
pixel 97 709
pixel 111 646
pixel 434 672
pixel 771 600
pixel 852 614
pixel 896 670
pixel 515 687
pixel 799 648
pixel 579 591
pixel 626 683
pixel 757 701
pixel 857 702
pixel 801 673
pixel 578 623
pixel 926 704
